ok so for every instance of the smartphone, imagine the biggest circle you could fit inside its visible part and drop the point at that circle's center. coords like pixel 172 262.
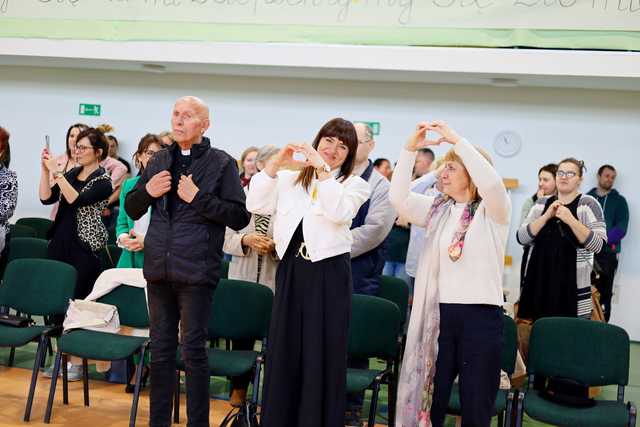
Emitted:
pixel 47 143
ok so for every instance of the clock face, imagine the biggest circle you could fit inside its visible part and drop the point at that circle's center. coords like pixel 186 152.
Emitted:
pixel 507 143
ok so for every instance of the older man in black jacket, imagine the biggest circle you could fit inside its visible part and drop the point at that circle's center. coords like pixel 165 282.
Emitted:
pixel 194 192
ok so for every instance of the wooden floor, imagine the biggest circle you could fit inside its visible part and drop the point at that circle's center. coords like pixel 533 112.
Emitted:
pixel 110 405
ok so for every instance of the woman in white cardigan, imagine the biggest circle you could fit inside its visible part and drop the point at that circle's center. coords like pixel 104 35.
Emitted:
pixel 456 321
pixel 305 374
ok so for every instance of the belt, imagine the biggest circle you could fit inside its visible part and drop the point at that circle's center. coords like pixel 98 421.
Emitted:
pixel 303 253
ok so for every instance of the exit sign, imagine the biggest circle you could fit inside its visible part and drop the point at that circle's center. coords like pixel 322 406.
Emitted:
pixel 89 109
pixel 375 126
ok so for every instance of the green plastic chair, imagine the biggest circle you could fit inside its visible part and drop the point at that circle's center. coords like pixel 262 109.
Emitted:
pixel 592 353
pixel 132 311
pixel 35 287
pixel 397 291
pixel 40 225
pixel 18 230
pixel 240 311
pixel 504 398
pixel 27 247
pixel 373 333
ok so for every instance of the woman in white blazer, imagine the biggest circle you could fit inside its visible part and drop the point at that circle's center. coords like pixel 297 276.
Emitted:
pixel 456 322
pixel 311 210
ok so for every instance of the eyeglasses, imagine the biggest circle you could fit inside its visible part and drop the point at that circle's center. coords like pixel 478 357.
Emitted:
pixel 563 174
pixel 83 148
pixel 150 153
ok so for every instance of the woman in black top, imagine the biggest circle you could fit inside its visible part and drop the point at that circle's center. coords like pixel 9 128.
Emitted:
pixel 77 233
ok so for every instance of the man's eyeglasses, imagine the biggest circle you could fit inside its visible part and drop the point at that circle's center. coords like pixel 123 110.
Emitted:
pixel 568 174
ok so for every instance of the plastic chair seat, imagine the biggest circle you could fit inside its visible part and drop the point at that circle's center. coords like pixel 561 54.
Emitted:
pixel 606 413
pixel 225 363
pixel 17 337
pixel 100 345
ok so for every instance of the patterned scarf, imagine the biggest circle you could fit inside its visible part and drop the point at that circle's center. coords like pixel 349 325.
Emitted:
pixel 420 367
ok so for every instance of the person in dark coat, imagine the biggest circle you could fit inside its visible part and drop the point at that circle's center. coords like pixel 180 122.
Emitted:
pixel 194 193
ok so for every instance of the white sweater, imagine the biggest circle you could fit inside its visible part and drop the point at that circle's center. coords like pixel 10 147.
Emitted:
pixel 476 278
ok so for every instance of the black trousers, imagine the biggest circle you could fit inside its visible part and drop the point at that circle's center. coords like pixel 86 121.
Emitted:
pixel 170 303
pixel 305 375
pixel 470 345
pixel 603 280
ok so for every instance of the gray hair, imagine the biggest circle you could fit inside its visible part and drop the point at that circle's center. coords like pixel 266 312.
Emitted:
pixel 368 132
pixel 266 152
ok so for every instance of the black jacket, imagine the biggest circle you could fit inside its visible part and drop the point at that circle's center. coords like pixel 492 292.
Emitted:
pixel 186 248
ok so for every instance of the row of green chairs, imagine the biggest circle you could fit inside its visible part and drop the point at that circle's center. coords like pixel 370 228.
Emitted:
pixel 31 227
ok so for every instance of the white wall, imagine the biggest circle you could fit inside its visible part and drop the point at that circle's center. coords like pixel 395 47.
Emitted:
pixel 597 126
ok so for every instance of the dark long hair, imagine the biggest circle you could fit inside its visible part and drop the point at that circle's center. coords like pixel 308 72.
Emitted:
pixel 344 131
pixel 552 168
pixel 144 143
pixel 81 127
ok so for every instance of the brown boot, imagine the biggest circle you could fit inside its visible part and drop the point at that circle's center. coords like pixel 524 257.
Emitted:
pixel 238 397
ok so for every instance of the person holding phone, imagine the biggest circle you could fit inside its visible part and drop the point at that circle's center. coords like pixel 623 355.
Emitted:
pixel 312 210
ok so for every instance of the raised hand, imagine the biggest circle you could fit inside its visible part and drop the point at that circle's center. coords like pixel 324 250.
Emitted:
pixel 419 138
pixel 446 133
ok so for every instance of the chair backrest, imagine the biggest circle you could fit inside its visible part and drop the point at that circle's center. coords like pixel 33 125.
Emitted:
pixel 240 310
pixel 374 327
pixel 224 269
pixel 132 305
pixel 18 230
pixel 41 225
pixel 27 247
pixel 397 291
pixel 509 345
pixel 593 353
pixel 41 287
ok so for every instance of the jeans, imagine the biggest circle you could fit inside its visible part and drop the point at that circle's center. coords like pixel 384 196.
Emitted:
pixel 395 269
pixel 170 303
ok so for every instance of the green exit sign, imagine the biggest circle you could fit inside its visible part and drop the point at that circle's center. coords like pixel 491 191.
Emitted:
pixel 375 126
pixel 89 109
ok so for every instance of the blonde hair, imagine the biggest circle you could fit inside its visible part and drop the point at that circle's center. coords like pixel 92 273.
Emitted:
pixel 451 156
pixel 105 128
pixel 244 155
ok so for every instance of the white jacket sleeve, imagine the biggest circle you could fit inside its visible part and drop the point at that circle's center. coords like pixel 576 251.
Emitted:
pixel 413 207
pixel 340 201
pixel 489 183
pixel 263 194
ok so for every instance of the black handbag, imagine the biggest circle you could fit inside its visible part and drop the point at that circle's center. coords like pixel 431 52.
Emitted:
pixel 16 321
pixel 566 391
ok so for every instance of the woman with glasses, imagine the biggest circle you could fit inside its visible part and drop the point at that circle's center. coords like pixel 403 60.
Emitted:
pixel 130 234
pixel 75 236
pixel 66 161
pixel 78 234
pixel 564 232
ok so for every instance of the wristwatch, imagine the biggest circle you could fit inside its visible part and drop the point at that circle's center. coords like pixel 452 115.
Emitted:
pixel 324 168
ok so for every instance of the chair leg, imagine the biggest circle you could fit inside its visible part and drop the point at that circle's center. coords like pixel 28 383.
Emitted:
pixel 12 355
pixel 85 381
pixel 65 380
pixel 176 399
pixel 392 396
pixel 34 375
pixel 374 405
pixel 52 389
pixel 256 382
pixel 509 409
pixel 501 419
pixel 632 414
pixel 136 389
pixel 519 409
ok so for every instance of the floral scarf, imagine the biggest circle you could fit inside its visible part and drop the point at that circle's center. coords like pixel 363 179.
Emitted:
pixel 416 389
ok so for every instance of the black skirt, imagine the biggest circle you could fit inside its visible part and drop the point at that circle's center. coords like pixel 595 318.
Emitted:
pixel 305 375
